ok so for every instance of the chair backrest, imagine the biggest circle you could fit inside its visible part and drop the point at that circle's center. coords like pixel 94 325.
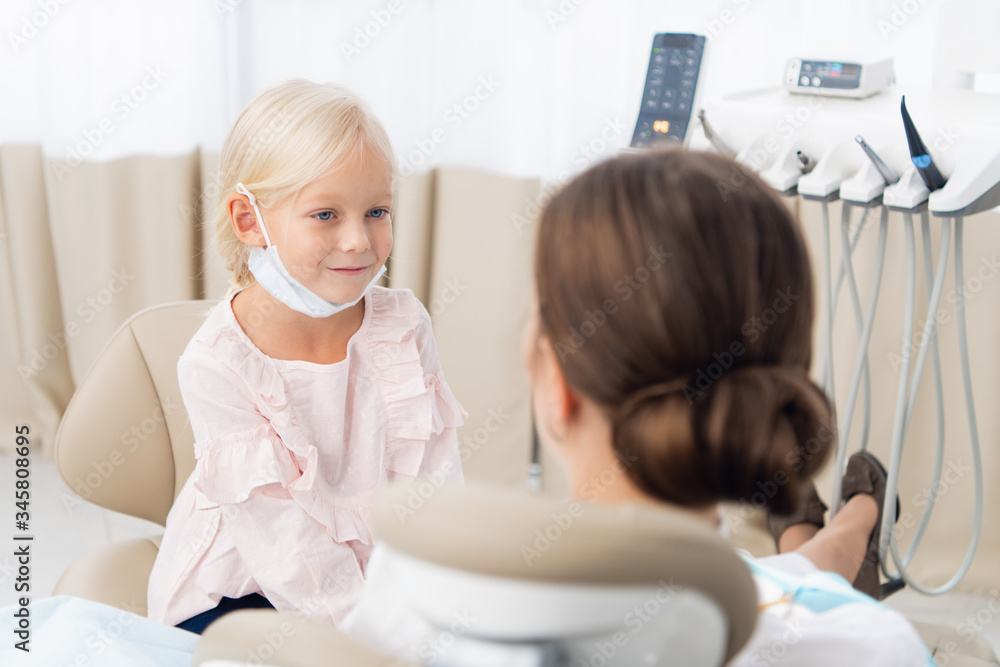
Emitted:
pixel 124 442
pixel 615 584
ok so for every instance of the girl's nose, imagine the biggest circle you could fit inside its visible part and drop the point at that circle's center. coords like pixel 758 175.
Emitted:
pixel 354 237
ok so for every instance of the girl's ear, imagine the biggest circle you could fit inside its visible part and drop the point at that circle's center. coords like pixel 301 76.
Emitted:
pixel 244 220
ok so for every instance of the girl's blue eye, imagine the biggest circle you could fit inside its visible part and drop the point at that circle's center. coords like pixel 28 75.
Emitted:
pixel 380 211
pixel 324 215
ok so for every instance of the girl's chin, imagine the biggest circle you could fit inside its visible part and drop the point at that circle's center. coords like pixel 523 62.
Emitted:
pixel 342 294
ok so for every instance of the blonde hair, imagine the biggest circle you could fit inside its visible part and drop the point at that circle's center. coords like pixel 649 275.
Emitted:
pixel 288 136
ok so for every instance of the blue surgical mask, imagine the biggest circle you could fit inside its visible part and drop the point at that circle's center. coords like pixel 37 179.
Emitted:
pixel 271 274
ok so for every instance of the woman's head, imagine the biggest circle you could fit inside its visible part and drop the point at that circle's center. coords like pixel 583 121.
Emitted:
pixel 299 141
pixel 675 296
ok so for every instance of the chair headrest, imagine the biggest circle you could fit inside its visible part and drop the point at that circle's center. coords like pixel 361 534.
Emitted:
pixel 505 533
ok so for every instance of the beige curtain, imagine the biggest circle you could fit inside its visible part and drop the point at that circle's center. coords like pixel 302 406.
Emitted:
pixel 36 378
pixel 85 248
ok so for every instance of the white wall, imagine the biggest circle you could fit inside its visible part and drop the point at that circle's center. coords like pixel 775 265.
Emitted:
pixel 565 71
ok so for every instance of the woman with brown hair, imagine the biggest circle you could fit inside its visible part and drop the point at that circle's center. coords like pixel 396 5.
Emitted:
pixel 671 341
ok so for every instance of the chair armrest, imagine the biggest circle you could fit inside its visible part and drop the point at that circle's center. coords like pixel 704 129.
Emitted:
pixel 284 640
pixel 115 574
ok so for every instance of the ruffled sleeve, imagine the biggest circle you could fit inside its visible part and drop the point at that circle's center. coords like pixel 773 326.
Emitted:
pixel 446 411
pixel 229 468
pixel 237 406
pixel 421 412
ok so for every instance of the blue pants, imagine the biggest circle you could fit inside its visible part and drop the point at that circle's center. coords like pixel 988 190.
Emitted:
pixel 197 624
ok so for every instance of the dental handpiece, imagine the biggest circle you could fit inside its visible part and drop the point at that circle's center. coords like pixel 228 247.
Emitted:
pixel 713 136
pixel 919 154
pixel 888 175
pixel 806 163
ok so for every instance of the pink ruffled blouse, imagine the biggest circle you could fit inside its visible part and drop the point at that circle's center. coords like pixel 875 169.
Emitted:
pixel 289 455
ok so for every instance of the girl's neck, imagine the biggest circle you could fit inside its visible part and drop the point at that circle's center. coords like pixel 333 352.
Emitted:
pixel 282 333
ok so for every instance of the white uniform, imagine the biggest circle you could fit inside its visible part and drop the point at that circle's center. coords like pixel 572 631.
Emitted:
pixel 810 617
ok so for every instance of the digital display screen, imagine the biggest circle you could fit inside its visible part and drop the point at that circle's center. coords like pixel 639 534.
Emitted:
pixel 829 74
pixel 830 69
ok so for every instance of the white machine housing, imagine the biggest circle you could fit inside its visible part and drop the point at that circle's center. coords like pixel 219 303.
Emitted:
pixel 838 78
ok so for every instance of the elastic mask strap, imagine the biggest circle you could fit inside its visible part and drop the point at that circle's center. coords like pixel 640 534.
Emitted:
pixel 253 202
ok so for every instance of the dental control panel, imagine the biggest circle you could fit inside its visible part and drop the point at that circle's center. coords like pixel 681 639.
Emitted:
pixel 670 91
pixel 952 165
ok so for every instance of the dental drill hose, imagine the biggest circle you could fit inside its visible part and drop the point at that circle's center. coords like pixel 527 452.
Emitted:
pixel 847 267
pixel 887 535
pixel 865 338
pixel 828 293
pixel 836 295
pixel 932 282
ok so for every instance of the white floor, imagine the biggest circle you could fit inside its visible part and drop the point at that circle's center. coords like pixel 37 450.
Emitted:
pixel 64 526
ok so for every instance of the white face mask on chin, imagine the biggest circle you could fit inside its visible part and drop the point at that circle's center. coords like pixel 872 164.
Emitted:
pixel 271 274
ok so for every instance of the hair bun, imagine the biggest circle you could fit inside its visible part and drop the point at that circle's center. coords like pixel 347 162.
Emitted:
pixel 659 390
pixel 757 435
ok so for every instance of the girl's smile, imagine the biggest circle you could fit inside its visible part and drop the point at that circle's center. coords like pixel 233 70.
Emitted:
pixel 351 271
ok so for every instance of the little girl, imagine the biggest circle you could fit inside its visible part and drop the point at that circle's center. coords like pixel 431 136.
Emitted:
pixel 308 387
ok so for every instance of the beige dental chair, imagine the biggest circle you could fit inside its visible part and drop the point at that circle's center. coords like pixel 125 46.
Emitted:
pixel 125 444
pixel 531 581
pixel 469 549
